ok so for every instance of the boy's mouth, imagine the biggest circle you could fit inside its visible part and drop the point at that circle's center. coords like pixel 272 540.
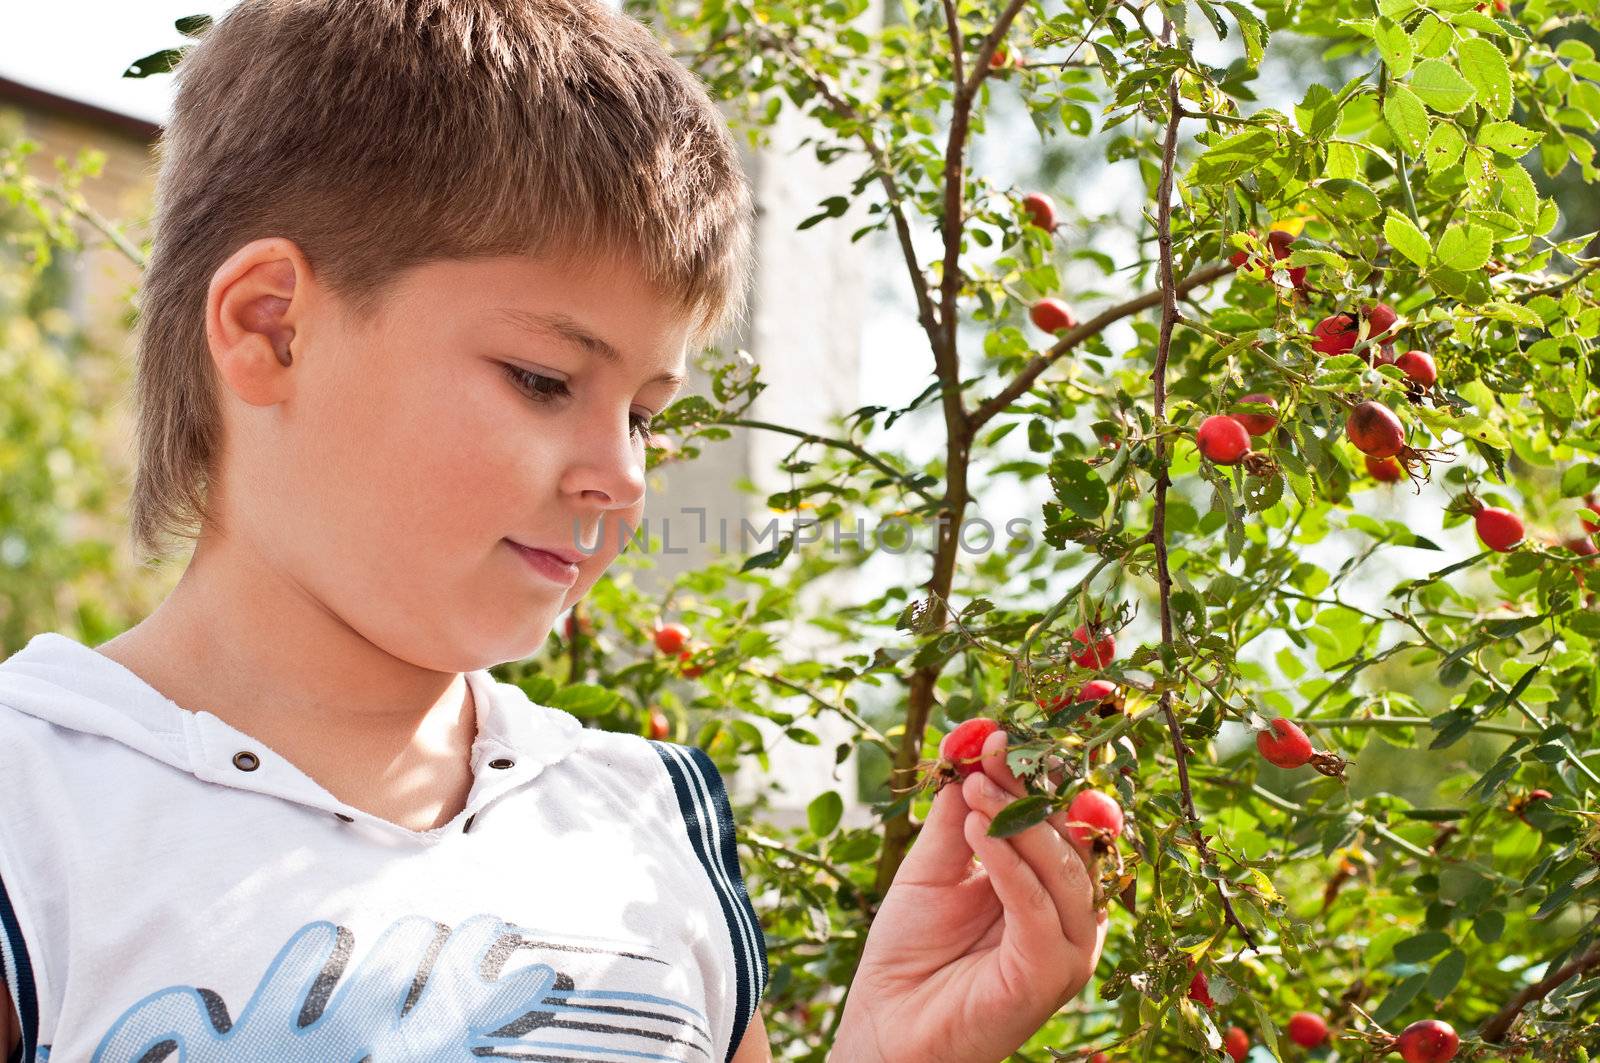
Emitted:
pixel 558 565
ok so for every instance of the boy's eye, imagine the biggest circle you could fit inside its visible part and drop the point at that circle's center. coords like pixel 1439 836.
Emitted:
pixel 547 388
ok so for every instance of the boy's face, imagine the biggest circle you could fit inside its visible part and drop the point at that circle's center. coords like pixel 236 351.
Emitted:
pixel 386 471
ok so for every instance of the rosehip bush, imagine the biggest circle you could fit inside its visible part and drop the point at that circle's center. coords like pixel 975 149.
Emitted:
pixel 1385 870
pixel 1356 303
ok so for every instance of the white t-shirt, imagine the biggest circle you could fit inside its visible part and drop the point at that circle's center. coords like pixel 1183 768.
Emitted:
pixel 171 888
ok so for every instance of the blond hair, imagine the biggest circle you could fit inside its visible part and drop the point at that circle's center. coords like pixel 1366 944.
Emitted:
pixel 382 134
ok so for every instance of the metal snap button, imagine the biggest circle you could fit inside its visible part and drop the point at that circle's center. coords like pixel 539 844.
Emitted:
pixel 347 819
pixel 245 760
pixel 500 762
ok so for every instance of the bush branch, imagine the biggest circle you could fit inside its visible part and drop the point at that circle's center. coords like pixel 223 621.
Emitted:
pixel 1494 1031
pixel 1158 531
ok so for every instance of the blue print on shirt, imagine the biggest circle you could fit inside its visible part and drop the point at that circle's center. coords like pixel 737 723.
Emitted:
pixel 422 993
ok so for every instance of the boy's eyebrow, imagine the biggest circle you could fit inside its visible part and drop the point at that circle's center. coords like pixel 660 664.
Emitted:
pixel 563 327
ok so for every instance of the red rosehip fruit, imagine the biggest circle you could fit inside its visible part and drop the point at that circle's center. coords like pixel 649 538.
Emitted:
pixel 1499 529
pixel 1380 319
pixel 687 664
pixel 962 747
pixel 1099 1057
pixel 1418 365
pixel 671 638
pixel 660 726
pixel 1385 470
pixel 1307 1030
pixel 1042 209
pixel 1236 1043
pixel 1200 990
pixel 999 59
pixel 1335 335
pixel 1096 815
pixel 1098 655
pixel 1223 439
pixel 1052 315
pixel 1374 430
pixel 1258 424
pixel 1285 744
pixel 1108 702
pixel 1427 1041
pixel 1583 546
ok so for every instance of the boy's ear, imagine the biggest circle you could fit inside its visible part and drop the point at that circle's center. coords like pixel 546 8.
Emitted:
pixel 252 306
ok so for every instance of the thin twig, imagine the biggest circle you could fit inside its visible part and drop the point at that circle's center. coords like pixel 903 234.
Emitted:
pixel 828 441
pixel 1074 337
pixel 1158 532
pixel 1494 1031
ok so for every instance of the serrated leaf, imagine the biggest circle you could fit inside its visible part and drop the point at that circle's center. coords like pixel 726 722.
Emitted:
pixel 1466 247
pixel 1517 193
pixel 1439 86
pixel 1406 238
pixel 1395 44
pixel 1508 138
pixel 1444 147
pixel 1484 67
pixel 1406 118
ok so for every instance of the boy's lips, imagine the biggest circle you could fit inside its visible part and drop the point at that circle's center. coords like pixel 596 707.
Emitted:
pixel 565 553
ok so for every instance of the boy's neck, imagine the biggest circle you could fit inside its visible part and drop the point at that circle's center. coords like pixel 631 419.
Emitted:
pixel 237 640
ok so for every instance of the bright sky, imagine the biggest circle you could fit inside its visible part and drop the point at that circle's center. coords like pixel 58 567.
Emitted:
pixel 80 48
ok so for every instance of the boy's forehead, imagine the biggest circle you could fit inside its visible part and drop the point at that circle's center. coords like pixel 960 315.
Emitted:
pixel 601 304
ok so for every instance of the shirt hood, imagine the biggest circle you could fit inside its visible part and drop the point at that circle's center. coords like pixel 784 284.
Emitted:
pixel 58 679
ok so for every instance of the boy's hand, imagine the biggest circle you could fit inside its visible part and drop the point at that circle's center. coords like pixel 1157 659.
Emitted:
pixel 964 963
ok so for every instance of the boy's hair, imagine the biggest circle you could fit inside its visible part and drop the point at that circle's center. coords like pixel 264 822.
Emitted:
pixel 382 134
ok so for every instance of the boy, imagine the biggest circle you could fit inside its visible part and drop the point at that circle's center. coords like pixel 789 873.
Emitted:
pixel 423 272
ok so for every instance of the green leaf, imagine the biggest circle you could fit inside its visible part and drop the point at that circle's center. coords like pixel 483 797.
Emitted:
pixel 1517 193
pixel 1580 479
pixel 1077 487
pixel 1485 69
pixel 1406 238
pixel 585 699
pixel 1440 87
pixel 1019 815
pixel 1508 138
pixel 1466 247
pixel 1233 157
pixel 1421 947
pixel 1446 973
pixel 1444 148
pixel 1406 117
pixel 1395 44
pixel 824 813
pixel 1399 998
pixel 1350 199
pixel 193 25
pixel 155 63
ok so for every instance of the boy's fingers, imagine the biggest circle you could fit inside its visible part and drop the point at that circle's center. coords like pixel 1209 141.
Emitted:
pixel 994 764
pixel 1053 861
pixel 1033 924
pixel 941 854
